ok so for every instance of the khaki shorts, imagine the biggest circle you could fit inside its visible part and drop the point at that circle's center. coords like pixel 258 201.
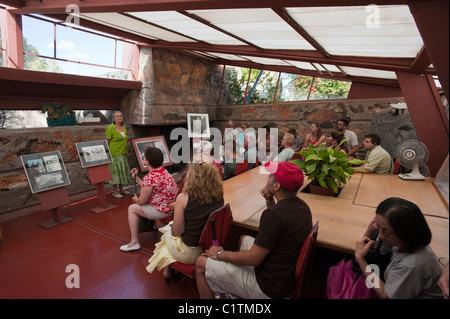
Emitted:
pixel 152 213
pixel 223 277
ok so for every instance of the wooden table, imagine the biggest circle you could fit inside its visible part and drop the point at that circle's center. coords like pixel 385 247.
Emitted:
pixel 374 188
pixel 342 220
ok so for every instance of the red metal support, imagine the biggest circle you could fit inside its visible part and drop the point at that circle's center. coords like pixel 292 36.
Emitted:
pixel 14 40
pixel 432 20
pixel 425 108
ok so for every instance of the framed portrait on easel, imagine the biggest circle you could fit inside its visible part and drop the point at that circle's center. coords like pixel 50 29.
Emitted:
pixel 140 144
pixel 198 125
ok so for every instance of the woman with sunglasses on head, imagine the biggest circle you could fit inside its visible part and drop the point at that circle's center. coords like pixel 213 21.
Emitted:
pixel 414 271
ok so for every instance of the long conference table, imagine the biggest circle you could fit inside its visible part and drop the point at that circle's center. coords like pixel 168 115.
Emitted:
pixel 343 219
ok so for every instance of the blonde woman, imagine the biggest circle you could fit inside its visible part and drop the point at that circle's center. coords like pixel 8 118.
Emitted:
pixel 202 194
pixel 117 138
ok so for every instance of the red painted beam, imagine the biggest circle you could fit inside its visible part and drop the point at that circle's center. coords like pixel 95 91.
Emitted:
pixel 432 20
pixel 12 26
pixel 426 110
pixel 59 6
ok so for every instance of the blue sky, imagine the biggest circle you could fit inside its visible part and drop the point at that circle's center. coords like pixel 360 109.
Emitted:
pixel 74 45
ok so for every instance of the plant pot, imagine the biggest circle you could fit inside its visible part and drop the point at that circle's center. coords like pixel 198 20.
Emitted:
pixel 319 190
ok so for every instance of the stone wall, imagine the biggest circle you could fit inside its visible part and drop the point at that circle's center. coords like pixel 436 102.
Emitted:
pixel 14 189
pixel 172 86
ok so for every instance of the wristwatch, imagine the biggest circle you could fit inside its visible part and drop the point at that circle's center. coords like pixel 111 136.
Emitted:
pixel 218 254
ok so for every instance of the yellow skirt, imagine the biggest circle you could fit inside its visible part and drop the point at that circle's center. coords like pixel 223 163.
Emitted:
pixel 171 249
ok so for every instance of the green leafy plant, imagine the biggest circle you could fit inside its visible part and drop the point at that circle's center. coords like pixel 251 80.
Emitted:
pixel 326 167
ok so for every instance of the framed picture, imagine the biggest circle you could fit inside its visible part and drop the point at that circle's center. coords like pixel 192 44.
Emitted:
pixel 140 144
pixel 94 153
pixel 45 171
pixel 441 181
pixel 198 125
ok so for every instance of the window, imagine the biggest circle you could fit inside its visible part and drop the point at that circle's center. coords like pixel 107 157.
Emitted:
pixel 53 47
pixel 257 86
pixel 293 87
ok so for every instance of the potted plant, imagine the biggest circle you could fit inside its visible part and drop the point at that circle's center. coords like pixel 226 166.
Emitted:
pixel 327 168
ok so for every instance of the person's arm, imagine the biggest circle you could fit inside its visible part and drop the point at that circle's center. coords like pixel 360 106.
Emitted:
pixel 363 247
pixel 144 196
pixel 353 150
pixel 361 169
pixel 320 141
pixel 444 282
pixel 178 215
pixel 270 199
pixel 134 173
pixel 252 257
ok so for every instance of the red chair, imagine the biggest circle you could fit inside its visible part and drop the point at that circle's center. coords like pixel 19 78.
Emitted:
pixel 241 167
pixel 222 220
pixel 305 260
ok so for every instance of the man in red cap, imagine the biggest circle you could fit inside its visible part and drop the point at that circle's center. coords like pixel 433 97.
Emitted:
pixel 264 266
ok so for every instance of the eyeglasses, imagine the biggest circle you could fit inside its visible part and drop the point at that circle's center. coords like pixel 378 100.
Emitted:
pixel 387 233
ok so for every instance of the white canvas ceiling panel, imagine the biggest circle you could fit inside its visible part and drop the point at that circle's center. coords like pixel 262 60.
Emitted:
pixel 301 65
pixel 369 73
pixel 231 57
pixel 129 24
pixel 265 60
pixel 182 24
pixel 261 27
pixel 383 31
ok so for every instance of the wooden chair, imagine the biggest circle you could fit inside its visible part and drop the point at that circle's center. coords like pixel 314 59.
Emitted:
pixel 305 260
pixel 223 220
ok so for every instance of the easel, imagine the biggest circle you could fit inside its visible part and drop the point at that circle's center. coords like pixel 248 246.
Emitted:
pixel 53 200
pixel 98 175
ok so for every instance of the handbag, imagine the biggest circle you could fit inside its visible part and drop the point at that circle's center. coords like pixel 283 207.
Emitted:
pixel 344 283
pixel 346 280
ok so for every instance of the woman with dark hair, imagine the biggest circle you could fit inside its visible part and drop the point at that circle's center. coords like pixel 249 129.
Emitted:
pixel 159 189
pixel 315 137
pixel 414 270
pixel 334 141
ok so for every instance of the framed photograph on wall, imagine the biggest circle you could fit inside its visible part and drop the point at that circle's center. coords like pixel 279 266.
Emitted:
pixel 198 125
pixel 140 144
pixel 93 153
pixel 45 171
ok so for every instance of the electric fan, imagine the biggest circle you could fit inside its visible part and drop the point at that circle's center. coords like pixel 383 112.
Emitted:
pixel 412 154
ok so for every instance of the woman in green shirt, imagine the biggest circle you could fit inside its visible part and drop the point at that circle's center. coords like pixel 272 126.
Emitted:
pixel 117 138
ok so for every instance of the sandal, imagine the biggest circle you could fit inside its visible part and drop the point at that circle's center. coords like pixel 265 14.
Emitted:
pixel 118 195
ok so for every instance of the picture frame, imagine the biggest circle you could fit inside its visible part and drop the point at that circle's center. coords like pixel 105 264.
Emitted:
pixel 45 171
pixel 94 153
pixel 140 144
pixel 198 125
pixel 441 182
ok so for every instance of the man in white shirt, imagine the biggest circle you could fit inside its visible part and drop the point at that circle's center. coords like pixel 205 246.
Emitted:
pixel 352 139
